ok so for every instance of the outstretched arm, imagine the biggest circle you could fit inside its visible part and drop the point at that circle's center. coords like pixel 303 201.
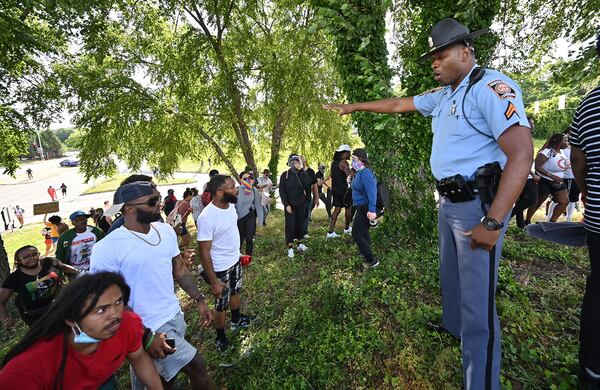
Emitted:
pixel 385 106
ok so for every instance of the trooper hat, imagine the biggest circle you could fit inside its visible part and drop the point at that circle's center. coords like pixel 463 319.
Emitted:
pixel 448 32
pixel 127 193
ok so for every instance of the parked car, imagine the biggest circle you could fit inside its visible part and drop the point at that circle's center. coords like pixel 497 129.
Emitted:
pixel 69 163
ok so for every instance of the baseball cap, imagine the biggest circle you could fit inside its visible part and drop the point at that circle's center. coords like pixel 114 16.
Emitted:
pixel 79 213
pixel 344 148
pixel 127 193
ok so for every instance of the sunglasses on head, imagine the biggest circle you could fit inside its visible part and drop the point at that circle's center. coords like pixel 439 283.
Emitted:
pixel 152 202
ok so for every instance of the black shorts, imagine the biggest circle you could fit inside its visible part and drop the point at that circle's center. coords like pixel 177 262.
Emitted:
pixel 546 187
pixel 232 278
pixel 340 198
pixel 573 189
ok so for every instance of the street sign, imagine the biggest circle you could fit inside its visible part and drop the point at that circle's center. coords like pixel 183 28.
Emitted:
pixel 45 208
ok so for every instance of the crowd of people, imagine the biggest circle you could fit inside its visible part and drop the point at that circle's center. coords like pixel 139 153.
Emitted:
pixel 120 302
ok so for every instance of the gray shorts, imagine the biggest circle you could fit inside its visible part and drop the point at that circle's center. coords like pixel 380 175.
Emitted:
pixel 170 366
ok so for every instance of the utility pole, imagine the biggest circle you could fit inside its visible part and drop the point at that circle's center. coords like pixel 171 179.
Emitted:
pixel 40 147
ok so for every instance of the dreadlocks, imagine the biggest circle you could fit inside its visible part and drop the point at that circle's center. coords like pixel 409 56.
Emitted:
pixel 553 142
pixel 74 303
pixel 19 252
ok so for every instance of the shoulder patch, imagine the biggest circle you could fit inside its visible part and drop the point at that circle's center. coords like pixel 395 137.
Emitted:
pixel 430 91
pixel 510 111
pixel 503 90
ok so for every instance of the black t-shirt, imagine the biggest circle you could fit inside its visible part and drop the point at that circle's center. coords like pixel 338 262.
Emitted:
pixel 320 176
pixel 33 293
pixel 103 223
pixel 313 180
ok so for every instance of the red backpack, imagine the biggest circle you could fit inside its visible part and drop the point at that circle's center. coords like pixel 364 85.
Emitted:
pixel 205 198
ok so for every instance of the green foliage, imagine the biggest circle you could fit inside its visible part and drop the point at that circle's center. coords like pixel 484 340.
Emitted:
pixel 52 146
pixel 550 119
pixel 64 133
pixel 398 146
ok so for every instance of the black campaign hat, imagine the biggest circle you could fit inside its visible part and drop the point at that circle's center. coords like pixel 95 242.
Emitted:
pixel 448 32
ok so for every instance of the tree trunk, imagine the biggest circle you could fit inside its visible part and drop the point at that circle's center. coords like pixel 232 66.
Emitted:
pixel 4 266
pixel 219 151
pixel 276 139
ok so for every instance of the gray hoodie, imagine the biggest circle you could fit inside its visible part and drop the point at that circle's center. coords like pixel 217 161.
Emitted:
pixel 247 202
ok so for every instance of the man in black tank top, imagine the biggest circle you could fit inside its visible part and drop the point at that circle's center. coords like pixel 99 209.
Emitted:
pixel 340 170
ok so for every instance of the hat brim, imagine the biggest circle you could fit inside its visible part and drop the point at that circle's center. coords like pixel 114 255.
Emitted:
pixel 81 215
pixel 462 38
pixel 114 210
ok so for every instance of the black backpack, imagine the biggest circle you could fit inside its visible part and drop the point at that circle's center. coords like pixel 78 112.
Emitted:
pixel 383 198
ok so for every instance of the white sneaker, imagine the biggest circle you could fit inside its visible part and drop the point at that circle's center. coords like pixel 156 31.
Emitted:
pixel 348 231
pixel 332 235
pixel 306 236
pixel 291 253
pixel 302 248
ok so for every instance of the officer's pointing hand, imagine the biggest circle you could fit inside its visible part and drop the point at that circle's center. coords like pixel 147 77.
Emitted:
pixel 483 238
pixel 342 109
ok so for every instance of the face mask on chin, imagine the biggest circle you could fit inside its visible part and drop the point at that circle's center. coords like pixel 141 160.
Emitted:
pixel 81 337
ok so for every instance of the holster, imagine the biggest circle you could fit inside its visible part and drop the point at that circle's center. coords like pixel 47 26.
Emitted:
pixel 456 189
pixel 487 179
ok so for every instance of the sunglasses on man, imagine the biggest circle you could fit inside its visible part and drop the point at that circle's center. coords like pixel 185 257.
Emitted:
pixel 152 202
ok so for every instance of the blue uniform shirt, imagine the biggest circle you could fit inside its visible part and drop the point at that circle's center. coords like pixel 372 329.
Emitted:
pixel 492 105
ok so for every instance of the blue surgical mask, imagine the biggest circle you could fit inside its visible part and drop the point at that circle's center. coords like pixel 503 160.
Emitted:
pixel 357 165
pixel 82 337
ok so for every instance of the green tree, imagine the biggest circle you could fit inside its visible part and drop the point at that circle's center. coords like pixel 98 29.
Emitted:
pixel 52 146
pixel 224 80
pixel 358 30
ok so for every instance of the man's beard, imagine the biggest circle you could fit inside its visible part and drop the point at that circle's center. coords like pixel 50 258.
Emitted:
pixel 229 198
pixel 147 217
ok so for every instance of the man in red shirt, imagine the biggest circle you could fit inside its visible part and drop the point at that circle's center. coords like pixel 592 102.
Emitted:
pixel 81 341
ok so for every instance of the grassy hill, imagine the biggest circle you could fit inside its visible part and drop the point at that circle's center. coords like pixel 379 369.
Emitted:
pixel 324 322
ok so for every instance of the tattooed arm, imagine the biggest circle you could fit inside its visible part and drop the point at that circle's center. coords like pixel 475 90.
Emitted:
pixel 184 278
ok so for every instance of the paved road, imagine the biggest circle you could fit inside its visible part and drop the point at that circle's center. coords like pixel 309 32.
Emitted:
pixel 26 194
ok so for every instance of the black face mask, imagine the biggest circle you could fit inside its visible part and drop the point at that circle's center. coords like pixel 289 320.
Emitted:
pixel 146 217
pixel 229 198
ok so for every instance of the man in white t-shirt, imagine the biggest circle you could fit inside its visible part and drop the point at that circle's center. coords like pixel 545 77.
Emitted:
pixel 219 246
pixel 146 253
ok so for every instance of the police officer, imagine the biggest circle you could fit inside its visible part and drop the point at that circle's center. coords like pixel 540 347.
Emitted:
pixel 478 117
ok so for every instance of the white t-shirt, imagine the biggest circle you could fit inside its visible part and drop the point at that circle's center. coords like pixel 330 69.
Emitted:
pixel 220 227
pixel 147 269
pixel 569 171
pixel 556 164
pixel 81 249
pixel 266 191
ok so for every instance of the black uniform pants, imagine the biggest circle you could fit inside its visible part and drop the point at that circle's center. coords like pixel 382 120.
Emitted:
pixel 589 335
pixel 294 223
pixel 247 229
pixel 360 232
pixel 528 198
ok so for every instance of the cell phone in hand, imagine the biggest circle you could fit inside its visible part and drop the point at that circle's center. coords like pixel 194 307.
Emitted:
pixel 170 342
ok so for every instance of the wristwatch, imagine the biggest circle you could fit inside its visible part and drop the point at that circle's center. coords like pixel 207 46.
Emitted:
pixel 491 224
pixel 199 299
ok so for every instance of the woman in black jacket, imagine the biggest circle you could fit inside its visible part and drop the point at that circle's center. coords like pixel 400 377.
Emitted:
pixel 292 184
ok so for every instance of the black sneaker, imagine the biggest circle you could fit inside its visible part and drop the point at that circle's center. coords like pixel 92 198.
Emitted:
pixel 243 323
pixel 373 264
pixel 223 345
